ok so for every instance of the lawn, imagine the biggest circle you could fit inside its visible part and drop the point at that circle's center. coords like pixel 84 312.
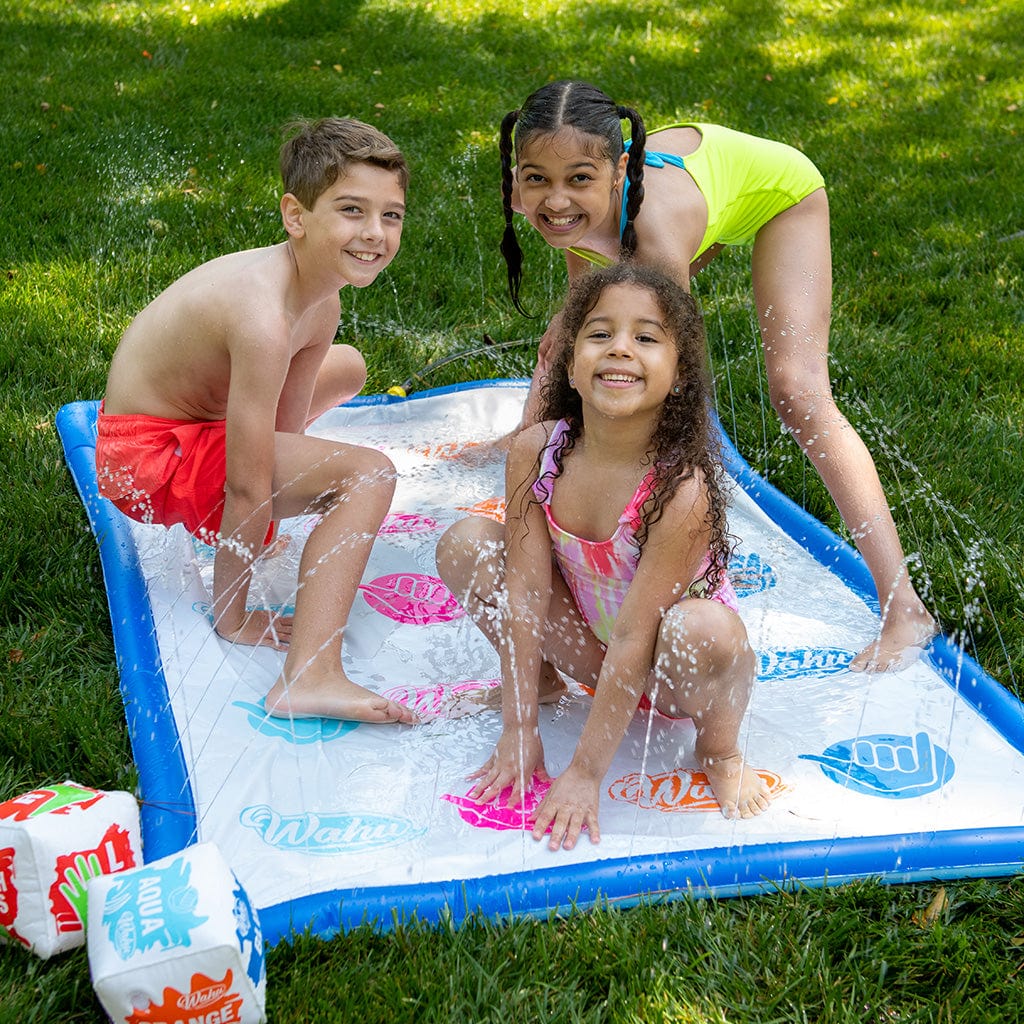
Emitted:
pixel 139 139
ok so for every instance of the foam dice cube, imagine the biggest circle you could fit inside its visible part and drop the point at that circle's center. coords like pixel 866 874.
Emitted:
pixel 52 841
pixel 177 940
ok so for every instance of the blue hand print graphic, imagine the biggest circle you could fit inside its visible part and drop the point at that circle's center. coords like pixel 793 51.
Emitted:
pixel 249 934
pixel 893 767
pixel 294 730
pixel 750 575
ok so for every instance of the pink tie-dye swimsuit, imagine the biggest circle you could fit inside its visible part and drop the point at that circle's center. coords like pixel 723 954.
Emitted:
pixel 599 572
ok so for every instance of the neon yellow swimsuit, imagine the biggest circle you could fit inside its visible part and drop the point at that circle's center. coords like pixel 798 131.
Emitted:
pixel 745 181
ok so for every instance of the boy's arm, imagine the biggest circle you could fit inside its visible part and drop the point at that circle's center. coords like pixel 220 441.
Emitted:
pixel 294 402
pixel 671 557
pixel 292 411
pixel 259 366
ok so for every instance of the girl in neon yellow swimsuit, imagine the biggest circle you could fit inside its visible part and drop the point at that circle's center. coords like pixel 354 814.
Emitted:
pixel 586 192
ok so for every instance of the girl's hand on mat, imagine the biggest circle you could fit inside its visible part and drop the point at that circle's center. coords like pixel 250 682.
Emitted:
pixel 515 761
pixel 261 628
pixel 569 807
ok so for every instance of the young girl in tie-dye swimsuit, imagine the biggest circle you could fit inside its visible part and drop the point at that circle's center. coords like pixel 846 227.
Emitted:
pixel 598 573
pixel 634 604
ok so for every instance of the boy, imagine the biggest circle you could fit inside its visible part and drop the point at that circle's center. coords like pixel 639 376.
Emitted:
pixel 211 389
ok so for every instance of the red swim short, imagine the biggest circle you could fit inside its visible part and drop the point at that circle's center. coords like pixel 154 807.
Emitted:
pixel 164 471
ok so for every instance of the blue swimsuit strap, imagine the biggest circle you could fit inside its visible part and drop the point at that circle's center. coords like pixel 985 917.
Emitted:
pixel 651 159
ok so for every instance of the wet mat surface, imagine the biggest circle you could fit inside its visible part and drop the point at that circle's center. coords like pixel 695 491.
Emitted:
pixel 912 775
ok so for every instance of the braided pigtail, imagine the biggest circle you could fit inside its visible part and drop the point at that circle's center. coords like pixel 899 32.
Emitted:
pixel 635 174
pixel 510 249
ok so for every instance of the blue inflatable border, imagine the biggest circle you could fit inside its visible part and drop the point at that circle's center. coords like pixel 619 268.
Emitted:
pixel 168 809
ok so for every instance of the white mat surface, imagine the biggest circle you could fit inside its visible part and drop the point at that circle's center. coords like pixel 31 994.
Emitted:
pixel 311 813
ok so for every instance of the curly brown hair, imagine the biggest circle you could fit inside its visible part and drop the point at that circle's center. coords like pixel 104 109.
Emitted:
pixel 685 439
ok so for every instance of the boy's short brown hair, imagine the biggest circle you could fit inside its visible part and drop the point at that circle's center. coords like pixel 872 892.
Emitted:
pixel 318 152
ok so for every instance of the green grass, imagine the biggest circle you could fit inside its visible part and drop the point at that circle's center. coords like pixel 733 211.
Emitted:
pixel 139 139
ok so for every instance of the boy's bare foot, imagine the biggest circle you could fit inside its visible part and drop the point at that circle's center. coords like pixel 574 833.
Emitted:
pixel 739 790
pixel 899 644
pixel 334 698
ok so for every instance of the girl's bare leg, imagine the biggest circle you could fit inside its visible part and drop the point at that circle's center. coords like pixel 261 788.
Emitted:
pixel 704 669
pixel 792 275
pixel 352 488
pixel 471 561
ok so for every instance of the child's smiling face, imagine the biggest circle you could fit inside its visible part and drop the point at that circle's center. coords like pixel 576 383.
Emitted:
pixel 566 186
pixel 624 359
pixel 355 225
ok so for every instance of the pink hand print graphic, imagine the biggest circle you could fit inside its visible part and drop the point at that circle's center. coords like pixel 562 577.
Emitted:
pixel 496 814
pixel 412 598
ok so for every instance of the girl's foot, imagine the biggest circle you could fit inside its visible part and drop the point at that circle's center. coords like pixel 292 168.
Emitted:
pixel 739 790
pixel 899 644
pixel 551 689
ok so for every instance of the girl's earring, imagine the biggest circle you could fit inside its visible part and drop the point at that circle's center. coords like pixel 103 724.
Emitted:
pixel 572 382
pixel 677 389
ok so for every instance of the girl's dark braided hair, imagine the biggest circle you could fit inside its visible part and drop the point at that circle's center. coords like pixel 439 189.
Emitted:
pixel 685 440
pixel 570 104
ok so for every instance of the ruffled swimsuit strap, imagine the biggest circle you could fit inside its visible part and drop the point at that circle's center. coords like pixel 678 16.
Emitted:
pixel 543 485
pixel 631 515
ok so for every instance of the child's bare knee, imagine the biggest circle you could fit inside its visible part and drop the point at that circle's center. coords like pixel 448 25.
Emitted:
pixel 469 537
pixel 348 364
pixel 451 551
pixel 464 545
pixel 699 636
pixel 364 472
pixel 805 412
pixel 376 468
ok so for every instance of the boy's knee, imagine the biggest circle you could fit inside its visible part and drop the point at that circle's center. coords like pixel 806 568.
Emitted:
pixel 354 366
pixel 370 468
pixel 342 376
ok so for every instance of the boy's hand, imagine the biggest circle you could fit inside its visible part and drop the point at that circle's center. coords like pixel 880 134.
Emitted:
pixel 516 758
pixel 569 806
pixel 261 628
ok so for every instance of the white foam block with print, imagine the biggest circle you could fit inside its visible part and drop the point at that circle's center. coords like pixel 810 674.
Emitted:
pixel 52 841
pixel 177 940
